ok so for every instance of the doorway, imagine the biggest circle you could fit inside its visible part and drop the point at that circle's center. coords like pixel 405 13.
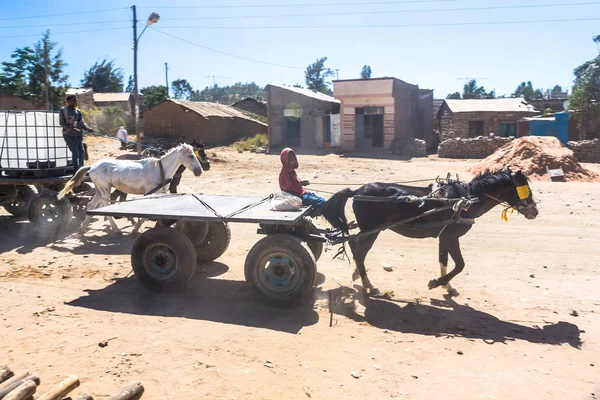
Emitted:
pixel 369 127
pixel 292 132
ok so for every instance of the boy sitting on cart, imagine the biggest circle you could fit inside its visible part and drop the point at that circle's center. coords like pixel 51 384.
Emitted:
pixel 290 183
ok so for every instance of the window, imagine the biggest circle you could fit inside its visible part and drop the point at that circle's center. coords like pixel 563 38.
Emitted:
pixel 476 128
pixel 507 130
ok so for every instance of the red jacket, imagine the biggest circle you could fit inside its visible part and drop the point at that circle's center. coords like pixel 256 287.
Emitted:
pixel 288 180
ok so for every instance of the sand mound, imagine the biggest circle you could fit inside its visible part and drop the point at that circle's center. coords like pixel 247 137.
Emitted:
pixel 532 154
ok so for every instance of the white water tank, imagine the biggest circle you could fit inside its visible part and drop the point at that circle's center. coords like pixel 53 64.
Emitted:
pixel 32 139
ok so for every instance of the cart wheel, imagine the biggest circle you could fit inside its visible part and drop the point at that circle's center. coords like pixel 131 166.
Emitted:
pixel 316 247
pixel 48 215
pixel 215 243
pixel 19 207
pixel 281 268
pixel 163 259
pixel 195 230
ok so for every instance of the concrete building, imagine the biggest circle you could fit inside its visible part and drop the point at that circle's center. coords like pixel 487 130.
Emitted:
pixel 123 101
pixel 302 118
pixel 12 102
pixel 480 117
pixel 252 105
pixel 85 97
pixel 383 113
pixel 215 124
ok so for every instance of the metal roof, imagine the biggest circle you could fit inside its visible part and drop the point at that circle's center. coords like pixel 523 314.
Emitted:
pixel 77 91
pixel 490 105
pixel 111 97
pixel 308 93
pixel 208 110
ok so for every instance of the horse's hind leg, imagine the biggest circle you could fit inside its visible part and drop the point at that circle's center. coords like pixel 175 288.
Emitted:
pixel 443 257
pixel 448 245
pixel 138 225
pixel 91 205
pixel 360 248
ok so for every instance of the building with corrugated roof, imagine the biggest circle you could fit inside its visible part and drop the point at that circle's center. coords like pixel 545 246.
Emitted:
pixel 213 123
pixel 479 117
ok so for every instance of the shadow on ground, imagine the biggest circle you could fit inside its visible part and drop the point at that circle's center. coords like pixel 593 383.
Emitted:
pixel 207 298
pixel 448 318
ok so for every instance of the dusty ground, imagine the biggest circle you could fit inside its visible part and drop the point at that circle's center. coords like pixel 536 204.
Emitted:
pixel 510 334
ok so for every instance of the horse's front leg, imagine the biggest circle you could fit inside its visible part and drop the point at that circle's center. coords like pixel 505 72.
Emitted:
pixel 359 249
pixel 448 245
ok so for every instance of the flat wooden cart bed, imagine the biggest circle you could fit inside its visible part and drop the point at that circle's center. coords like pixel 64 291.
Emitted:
pixel 194 228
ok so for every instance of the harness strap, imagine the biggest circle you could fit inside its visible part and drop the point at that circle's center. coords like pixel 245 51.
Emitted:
pixel 163 182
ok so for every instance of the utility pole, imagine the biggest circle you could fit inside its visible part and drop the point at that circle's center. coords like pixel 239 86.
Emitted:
pixel 167 78
pixel 136 97
pixel 46 73
pixel 337 74
pixel 468 79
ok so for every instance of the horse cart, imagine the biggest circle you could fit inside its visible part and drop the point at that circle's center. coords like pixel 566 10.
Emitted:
pixel 35 163
pixel 194 228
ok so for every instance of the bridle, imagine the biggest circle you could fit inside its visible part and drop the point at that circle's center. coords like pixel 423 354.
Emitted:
pixel 525 199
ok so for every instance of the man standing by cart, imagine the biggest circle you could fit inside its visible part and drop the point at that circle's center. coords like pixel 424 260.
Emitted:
pixel 71 120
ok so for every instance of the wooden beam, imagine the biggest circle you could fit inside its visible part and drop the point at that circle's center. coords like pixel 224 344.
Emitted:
pixel 23 392
pixel 5 374
pixel 131 392
pixel 16 377
pixel 4 392
pixel 62 389
pixel 84 396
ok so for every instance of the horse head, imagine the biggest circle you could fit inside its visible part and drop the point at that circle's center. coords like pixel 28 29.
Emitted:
pixel 201 155
pixel 188 158
pixel 509 187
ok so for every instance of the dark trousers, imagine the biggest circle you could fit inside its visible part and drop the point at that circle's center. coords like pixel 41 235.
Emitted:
pixel 75 144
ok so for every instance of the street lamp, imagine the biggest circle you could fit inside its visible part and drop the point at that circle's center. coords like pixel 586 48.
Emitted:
pixel 152 19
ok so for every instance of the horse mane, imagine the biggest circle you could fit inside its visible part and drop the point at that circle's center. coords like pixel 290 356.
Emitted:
pixel 491 177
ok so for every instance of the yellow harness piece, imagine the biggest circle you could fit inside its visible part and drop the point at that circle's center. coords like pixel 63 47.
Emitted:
pixel 523 192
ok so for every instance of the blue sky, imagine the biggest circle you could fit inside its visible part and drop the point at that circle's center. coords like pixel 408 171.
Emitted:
pixel 430 56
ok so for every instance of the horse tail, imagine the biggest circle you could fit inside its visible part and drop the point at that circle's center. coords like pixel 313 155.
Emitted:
pixel 333 209
pixel 73 182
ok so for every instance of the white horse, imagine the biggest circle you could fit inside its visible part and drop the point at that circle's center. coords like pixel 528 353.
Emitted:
pixel 133 177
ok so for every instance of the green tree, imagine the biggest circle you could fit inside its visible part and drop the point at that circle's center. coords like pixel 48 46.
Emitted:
pixel 130 85
pixel 316 75
pixel 472 91
pixel 557 89
pixel 229 94
pixel 103 77
pixel 26 75
pixel 528 92
pixel 366 72
pixel 585 97
pixel 455 96
pixel 182 89
pixel 153 95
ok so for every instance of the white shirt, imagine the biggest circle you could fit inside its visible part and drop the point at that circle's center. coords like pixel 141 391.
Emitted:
pixel 122 134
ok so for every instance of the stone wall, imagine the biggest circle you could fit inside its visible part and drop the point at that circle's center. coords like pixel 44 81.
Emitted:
pixel 479 147
pixel 411 147
pixel 587 151
pixel 456 125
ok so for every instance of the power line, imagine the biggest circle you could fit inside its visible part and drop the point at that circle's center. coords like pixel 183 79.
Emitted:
pixel 362 3
pixel 63 14
pixel 63 24
pixel 66 33
pixel 386 26
pixel 224 53
pixel 392 11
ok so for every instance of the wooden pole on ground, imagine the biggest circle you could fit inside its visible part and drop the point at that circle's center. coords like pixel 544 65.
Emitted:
pixel 5 374
pixel 131 392
pixel 15 378
pixel 23 392
pixel 4 392
pixel 62 389
pixel 84 396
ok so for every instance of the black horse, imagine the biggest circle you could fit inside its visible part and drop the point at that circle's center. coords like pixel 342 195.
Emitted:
pixel 490 189
pixel 158 152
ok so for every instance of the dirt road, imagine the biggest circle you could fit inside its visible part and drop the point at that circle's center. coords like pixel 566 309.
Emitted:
pixel 510 334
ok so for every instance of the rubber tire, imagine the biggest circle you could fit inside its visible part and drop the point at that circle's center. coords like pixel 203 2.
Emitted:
pixel 46 228
pixel 181 246
pixel 293 248
pixel 20 207
pixel 215 243
pixel 194 230
pixel 316 247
